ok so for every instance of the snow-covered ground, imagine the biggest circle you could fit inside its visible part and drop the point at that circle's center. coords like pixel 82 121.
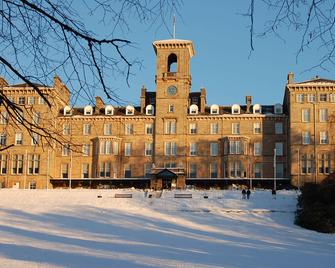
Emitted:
pixel 74 228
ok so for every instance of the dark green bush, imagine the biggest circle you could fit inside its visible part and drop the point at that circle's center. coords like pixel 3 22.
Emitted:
pixel 316 206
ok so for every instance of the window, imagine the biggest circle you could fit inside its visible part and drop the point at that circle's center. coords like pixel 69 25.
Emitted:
pixel 193 149
pixel 193 171
pixel 311 98
pixel 67 110
pixel 18 138
pixel 88 110
pixel 332 97
pixel 280 170
pixel 300 98
pixel 128 129
pixel 214 170
pixel 258 170
pixel 148 149
pixel 235 169
pixel 107 129
pixel 65 170
pixel 257 148
pixel 279 148
pixel 66 129
pixel 35 139
pixel 109 110
pixel 324 163
pixel 115 148
pixel 193 128
pixel 11 99
pixel 307 166
pixel 257 109
pixel 149 110
pixel 170 148
pixel 22 100
pixel 105 169
pixel 214 148
pixel 20 117
pixel 306 115
pixel 147 170
pixel 214 109
pixel 194 109
pixel 235 147
pixel 127 149
pixel 65 150
pixel 3 139
pixel 170 127
pixel 149 129
pixel 36 118
pixel 323 137
pixel 105 147
pixel 235 128
pixel 87 129
pixel 3 164
pixel 214 128
pixel 257 128
pixel 17 164
pixel 323 114
pixel 32 185
pixel 4 118
pixel 85 168
pixel 86 149
pixel 323 97
pixel 171 108
pixel 306 137
pixel 278 128
pixel 127 171
pixel 235 109
pixel 130 110
pixel 278 108
pixel 41 100
pixel 31 100
pixel 170 165
pixel 33 164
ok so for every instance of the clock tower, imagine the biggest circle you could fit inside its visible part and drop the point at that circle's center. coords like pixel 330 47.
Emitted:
pixel 173 82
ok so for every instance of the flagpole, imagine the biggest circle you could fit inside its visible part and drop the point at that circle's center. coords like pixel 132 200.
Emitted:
pixel 174 27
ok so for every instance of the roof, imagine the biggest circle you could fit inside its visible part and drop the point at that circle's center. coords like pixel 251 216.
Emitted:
pixel 174 42
pixel 317 80
pixel 166 174
pixel 29 85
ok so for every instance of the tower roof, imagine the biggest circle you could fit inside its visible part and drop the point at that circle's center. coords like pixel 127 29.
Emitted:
pixel 174 43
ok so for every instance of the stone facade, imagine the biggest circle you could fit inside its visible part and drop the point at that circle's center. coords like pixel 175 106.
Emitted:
pixel 172 128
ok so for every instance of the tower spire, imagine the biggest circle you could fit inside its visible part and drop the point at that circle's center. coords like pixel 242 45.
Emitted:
pixel 174 26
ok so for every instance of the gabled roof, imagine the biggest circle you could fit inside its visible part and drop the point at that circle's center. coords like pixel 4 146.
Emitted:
pixel 166 174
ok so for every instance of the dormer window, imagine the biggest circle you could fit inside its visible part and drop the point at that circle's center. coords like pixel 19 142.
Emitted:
pixel 88 110
pixel 278 108
pixel 67 110
pixel 257 109
pixel 194 109
pixel 149 110
pixel 130 110
pixel 236 109
pixel 109 110
pixel 215 109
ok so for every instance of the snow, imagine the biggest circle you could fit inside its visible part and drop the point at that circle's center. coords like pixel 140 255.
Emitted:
pixel 74 228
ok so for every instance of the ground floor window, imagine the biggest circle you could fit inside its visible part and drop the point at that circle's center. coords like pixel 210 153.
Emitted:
pixel 17 164
pixel 193 171
pixel 214 170
pixel 32 185
pixel 235 169
pixel 324 163
pixel 258 170
pixel 280 170
pixel 65 170
pixel 127 171
pixel 3 164
pixel 147 170
pixel 105 169
pixel 33 164
pixel 307 166
pixel 85 171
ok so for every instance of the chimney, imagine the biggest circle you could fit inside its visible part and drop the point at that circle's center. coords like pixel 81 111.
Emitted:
pixel 202 100
pixel 248 103
pixel 99 104
pixel 3 82
pixel 290 78
pixel 143 93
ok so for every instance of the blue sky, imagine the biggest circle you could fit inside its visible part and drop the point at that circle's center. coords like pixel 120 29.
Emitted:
pixel 222 63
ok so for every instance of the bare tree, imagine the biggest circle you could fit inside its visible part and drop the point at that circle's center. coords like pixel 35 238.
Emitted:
pixel 41 38
pixel 313 20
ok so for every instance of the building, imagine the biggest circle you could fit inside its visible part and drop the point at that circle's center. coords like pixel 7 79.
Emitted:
pixel 172 139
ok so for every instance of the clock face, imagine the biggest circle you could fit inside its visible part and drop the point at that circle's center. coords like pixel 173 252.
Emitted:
pixel 172 90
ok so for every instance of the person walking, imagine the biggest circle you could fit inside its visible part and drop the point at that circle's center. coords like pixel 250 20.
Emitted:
pixel 248 193
pixel 243 193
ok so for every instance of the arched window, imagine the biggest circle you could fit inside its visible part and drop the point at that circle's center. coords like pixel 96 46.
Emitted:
pixel 236 109
pixel 214 109
pixel 278 109
pixel 130 110
pixel 257 109
pixel 172 63
pixel 194 109
pixel 88 110
pixel 109 110
pixel 67 110
pixel 149 110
